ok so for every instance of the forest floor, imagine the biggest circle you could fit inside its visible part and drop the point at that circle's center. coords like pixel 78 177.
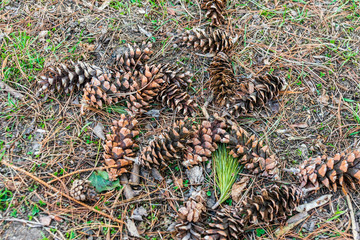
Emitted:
pixel 47 144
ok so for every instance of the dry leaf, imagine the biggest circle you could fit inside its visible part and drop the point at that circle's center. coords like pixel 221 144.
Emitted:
pixel 291 223
pixel 324 99
pixel 238 188
pixel 299 125
pixel 99 131
pixel 45 220
pixel 132 228
pixel 171 11
pixel 8 30
pixel 178 182
pixel 314 204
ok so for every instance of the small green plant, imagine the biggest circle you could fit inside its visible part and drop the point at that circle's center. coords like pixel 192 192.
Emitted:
pixel 116 109
pixel 5 198
pixel 226 169
pixel 356 115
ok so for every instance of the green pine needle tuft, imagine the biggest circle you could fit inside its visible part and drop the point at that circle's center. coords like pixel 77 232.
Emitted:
pixel 226 170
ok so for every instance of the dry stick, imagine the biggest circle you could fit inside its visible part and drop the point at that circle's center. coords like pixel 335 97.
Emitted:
pixel 355 231
pixel 80 171
pixel 129 193
pixel 135 174
pixel 7 88
pixel 206 104
pixel 63 194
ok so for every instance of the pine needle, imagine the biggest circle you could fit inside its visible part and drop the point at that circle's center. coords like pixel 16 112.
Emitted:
pixel 226 170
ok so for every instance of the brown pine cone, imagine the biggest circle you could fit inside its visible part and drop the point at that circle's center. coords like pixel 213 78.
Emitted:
pixel 68 77
pixel 222 79
pixel 82 191
pixel 134 58
pixel 201 145
pixel 189 230
pixel 270 204
pixel 169 146
pixel 215 9
pixel 256 156
pixel 341 170
pixel 177 99
pixel 120 144
pixel 189 217
pixel 255 93
pixel 226 224
pixel 138 88
pixel 211 41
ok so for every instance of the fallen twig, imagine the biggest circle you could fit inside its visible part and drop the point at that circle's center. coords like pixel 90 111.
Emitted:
pixel 354 226
pixel 56 190
pixel 29 223
pixel 7 88
pixel 129 193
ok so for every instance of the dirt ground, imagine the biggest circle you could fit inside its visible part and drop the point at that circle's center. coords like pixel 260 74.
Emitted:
pixel 313 45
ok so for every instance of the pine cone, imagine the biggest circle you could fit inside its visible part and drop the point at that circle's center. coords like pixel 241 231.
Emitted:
pixel 176 75
pixel 101 89
pixel 189 230
pixel 169 146
pixel 226 224
pixel 193 208
pixel 151 81
pixel 134 57
pixel 139 88
pixel 215 9
pixel 252 153
pixel 174 97
pixel 274 203
pixel 222 79
pixel 341 170
pixel 201 145
pixel 188 225
pixel 211 41
pixel 256 93
pixel 68 78
pixel 120 144
pixel 82 191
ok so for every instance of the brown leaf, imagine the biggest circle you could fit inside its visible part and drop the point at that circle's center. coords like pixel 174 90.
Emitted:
pixel 314 204
pixel 178 182
pixel 324 99
pixel 238 188
pixel 8 30
pixel 132 228
pixel 171 11
pixel 45 220
pixel 299 125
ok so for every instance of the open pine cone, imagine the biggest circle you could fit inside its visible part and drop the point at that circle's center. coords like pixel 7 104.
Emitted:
pixel 222 79
pixel 139 88
pixel 82 191
pixel 211 41
pixel 256 156
pixel 169 146
pixel 226 224
pixel 202 144
pixel 177 99
pixel 215 9
pixel 189 217
pixel 134 58
pixel 68 77
pixel 341 170
pixel 255 93
pixel 120 144
pixel 270 204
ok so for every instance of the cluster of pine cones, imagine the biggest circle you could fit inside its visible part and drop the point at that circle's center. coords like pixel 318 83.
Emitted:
pixel 140 85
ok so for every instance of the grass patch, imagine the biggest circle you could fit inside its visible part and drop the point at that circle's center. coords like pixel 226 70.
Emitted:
pixel 226 169
pixel 20 59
